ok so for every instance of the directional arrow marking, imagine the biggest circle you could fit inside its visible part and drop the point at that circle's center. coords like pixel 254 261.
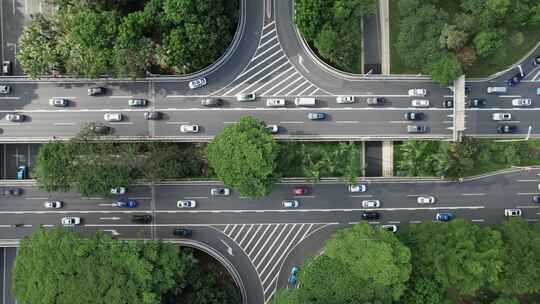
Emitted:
pixel 229 249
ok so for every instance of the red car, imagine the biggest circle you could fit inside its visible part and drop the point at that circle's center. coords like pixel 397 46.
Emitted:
pixel 302 190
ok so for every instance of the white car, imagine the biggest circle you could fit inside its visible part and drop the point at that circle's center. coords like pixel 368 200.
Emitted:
pixel 197 83
pixel 371 204
pixel 512 212
pixel 112 116
pixel 58 102
pixel 290 204
pixel 245 97
pixel 53 204
pixel 189 128
pixel 186 204
pixel 220 191
pixel 15 117
pixel 501 116
pixel 391 228
pixel 345 99
pixel 71 220
pixel 420 103
pixel 357 188
pixel 425 199
pixel 521 102
pixel 118 190
pixel 272 129
pixel 275 102
pixel 5 89
pixel 417 92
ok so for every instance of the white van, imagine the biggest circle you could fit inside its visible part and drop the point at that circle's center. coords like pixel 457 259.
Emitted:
pixel 305 101
pixel 496 90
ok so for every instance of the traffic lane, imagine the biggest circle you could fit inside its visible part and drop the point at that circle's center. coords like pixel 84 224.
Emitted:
pixel 295 121
pixel 69 123
pixel 480 121
pixel 10 254
pixel 523 89
pixel 19 155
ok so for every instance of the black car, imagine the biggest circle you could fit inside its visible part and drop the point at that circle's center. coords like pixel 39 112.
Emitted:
pixel 93 91
pixel 449 103
pixel 506 129
pixel 99 128
pixel 414 116
pixel 141 219
pixel 183 232
pixel 212 102
pixel 514 80
pixel 536 60
pixel 12 192
pixel 370 215
pixel 152 115
pixel 476 102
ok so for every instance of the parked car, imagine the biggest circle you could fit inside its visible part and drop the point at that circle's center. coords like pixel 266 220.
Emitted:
pixel 272 129
pixel 300 190
pixel 501 116
pixel 275 102
pixel 246 97
pixel 444 217
pixel 58 102
pixel 391 228
pixel 197 83
pixel 152 115
pixel 316 116
pixel 183 232
pixel 118 190
pixel 370 215
pixel 71 221
pixel 6 67
pixel 414 116
pixel 420 103
pixel 371 204
pixel 375 101
pixel 5 89
pixel 212 102
pixel 189 128
pixel 476 103
pixel 137 102
pixel 141 219
pixel 293 276
pixel 112 117
pixel 186 204
pixel 521 102
pixel 93 91
pixel 290 204
pixel 130 203
pixel 505 129
pixel 416 129
pixel 417 92
pixel 512 212
pixel 13 117
pixel 220 191
pixel 357 188
pixel 345 99
pixel 448 103
pixel 425 199
pixel 53 204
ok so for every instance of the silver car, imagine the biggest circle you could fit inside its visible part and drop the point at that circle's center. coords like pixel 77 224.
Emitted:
pixel 371 203
pixel 197 83
pixel 5 89
pixel 425 199
pixel 420 103
pixel 189 128
pixel 58 102
pixel 137 102
pixel 521 102
pixel 220 191
pixel 246 97
pixel 112 116
pixel 13 117
pixel 417 92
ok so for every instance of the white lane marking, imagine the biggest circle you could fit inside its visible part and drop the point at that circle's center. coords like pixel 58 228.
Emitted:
pixel 229 249
pixel 291 122
pixel 263 61
pixel 305 90
pixel 195 197
pixel 527 180
pixel 399 121
pixel 112 231
pixel 528 193
pixel 121 123
pixel 279 83
pixel 64 97
pixel 64 123
pixel 290 84
pixel 367 195
pixel 245 235
pixel 118 96
pixel 316 210
pixel 394 222
pixel 252 236
pixel 531 220
pixel 268 33
pixel 276 250
pixel 258 241
pixel 415 222
pixel 478 220
pixel 347 121
pixel 229 122
pixel 269 24
pixel 374 223
pixel 114 218
pixel 255 75
pixel 301 63
pixel 473 194
pixel 509 96
pixel 270 237
pixel 297 87
pixel 36 198
pixel 528 207
pixel 304 196
pixel 13 97
pixel 415 195
pixel 353 223
pixel 177 122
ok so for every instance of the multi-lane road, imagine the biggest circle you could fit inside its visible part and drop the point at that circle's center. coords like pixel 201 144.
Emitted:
pixel 259 234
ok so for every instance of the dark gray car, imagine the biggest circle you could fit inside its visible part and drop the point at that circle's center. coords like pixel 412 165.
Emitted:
pixel 212 102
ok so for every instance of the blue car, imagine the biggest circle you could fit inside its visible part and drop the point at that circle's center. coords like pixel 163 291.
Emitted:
pixel 514 80
pixel 444 217
pixel 292 277
pixel 316 116
pixel 126 204
pixel 22 173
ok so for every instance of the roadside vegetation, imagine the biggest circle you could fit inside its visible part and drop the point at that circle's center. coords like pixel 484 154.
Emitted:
pixel 448 38
pixel 431 263
pixel 332 28
pixel 60 266
pixel 127 38
pixel 456 160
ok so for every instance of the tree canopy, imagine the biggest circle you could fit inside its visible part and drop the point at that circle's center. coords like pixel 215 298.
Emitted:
pixel 244 156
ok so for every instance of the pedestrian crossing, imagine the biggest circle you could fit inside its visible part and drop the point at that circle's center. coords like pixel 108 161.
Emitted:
pixel 270 73
pixel 267 245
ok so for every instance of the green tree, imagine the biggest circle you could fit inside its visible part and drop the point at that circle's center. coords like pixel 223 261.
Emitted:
pixel 445 69
pixel 487 43
pixel 54 168
pixel 37 53
pixel 244 156
pixel 59 266
pixel 457 254
pixel 424 291
pixel 132 50
pixel 520 271
pixel 452 38
pixel 416 158
pixel 506 300
pixel 311 16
